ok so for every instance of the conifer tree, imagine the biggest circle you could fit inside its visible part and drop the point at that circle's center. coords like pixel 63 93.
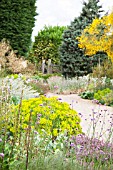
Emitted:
pixel 73 60
pixel 18 18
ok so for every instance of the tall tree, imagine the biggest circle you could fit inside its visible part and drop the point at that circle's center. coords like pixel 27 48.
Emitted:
pixel 73 60
pixel 18 18
pixel 98 36
pixel 47 43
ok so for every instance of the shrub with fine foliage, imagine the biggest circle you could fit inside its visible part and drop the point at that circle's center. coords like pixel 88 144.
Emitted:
pixel 48 114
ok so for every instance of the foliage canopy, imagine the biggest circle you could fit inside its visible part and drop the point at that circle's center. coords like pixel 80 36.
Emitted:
pixel 47 43
pixel 18 18
pixel 98 36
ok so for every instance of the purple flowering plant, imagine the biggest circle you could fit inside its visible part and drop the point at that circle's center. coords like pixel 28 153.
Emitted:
pixel 94 149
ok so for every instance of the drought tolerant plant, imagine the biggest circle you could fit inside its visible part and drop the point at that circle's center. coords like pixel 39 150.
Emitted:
pixel 18 145
pixel 49 156
pixel 100 89
pixel 92 153
pixel 56 161
pixel 61 85
pixel 48 114
pixel 105 69
pixel 94 149
pixel 15 146
pixel 17 83
pixel 38 85
pixel 96 84
pixel 9 143
pixel 74 153
pixel 108 99
pixel 39 82
pixel 102 95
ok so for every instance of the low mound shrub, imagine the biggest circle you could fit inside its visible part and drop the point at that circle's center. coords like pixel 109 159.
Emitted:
pixel 87 95
pixel 109 99
pixel 46 114
pixel 101 95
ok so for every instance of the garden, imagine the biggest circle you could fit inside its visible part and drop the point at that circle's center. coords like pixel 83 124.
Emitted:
pixel 60 119
pixel 42 132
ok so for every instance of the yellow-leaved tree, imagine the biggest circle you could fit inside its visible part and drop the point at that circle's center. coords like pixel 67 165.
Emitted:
pixel 98 36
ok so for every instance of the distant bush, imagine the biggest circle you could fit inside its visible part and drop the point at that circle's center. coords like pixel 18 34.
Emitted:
pixel 87 95
pixel 101 95
pixel 106 69
pixel 46 44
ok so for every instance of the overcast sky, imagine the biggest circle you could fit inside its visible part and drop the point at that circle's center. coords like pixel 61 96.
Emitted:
pixel 61 12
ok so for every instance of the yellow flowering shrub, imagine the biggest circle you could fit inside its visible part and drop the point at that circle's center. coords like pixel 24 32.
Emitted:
pixel 47 114
pixel 98 36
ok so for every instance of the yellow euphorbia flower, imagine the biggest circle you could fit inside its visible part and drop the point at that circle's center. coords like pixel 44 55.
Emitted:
pixel 48 114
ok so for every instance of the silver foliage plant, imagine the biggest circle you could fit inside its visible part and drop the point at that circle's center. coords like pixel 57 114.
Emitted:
pixel 60 84
pixel 17 86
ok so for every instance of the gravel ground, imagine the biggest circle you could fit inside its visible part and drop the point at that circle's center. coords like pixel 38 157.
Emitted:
pixel 90 113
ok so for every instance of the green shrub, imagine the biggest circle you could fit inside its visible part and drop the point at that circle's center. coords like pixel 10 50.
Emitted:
pixel 48 114
pixel 100 95
pixel 106 69
pixel 3 73
pixel 108 99
pixel 46 44
pixel 87 95
pixel 45 76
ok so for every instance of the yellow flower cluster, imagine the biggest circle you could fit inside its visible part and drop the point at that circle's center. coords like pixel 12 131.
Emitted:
pixel 48 114
pixel 98 37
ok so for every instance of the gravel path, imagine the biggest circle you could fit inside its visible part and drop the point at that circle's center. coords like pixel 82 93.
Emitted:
pixel 90 112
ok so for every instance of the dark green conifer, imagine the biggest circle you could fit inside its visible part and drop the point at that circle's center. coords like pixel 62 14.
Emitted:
pixel 73 60
pixel 17 21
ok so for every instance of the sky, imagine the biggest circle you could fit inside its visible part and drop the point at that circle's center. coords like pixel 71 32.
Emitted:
pixel 60 12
